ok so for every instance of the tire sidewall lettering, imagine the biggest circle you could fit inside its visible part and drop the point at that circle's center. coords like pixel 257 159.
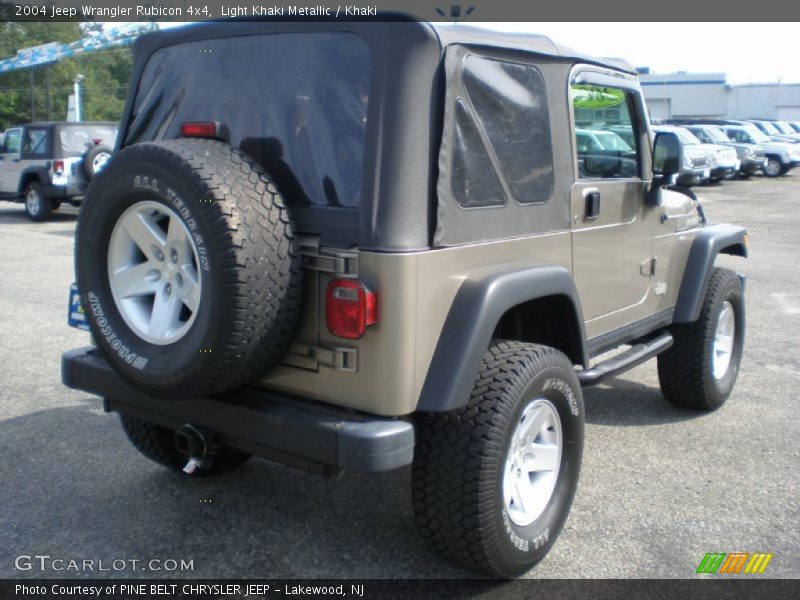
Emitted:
pixel 539 535
pixel 96 311
pixel 174 200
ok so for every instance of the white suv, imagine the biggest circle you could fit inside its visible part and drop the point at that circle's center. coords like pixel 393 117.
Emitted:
pixel 45 164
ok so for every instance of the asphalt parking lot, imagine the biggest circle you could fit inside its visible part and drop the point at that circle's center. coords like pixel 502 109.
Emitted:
pixel 660 486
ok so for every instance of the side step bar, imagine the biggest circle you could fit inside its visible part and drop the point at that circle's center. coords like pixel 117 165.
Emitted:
pixel 640 351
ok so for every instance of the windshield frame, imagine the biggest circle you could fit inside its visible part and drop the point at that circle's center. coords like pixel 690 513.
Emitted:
pixel 759 137
pixel 687 137
pixel 712 132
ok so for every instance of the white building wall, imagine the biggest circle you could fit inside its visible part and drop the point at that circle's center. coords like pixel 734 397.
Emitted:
pixel 765 101
pixel 707 95
pixel 685 94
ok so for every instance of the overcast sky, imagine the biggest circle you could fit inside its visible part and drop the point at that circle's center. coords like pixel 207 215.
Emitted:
pixel 745 52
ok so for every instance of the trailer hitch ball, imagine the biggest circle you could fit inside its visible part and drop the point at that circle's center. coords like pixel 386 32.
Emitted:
pixel 196 446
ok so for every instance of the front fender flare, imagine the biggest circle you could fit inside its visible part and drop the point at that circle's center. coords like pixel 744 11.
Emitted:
pixel 481 300
pixel 709 241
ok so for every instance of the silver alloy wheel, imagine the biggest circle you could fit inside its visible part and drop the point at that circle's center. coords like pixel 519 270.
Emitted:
pixel 33 201
pixel 723 340
pixel 153 272
pixel 773 167
pixel 532 462
pixel 99 161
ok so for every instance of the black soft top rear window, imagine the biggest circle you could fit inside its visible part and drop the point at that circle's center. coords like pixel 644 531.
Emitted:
pixel 295 102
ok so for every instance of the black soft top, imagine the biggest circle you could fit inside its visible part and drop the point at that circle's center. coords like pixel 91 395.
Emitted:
pixel 397 210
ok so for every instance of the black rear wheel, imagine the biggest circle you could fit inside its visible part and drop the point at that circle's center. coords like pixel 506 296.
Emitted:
pixel 493 482
pixel 37 206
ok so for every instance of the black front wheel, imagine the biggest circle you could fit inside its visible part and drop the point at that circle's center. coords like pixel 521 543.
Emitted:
pixel 493 481
pixel 700 369
pixel 774 168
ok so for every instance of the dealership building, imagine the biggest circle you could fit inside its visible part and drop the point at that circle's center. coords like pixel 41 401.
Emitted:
pixel 708 95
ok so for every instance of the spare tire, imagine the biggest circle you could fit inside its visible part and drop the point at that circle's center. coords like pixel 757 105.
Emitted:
pixel 188 267
pixel 95 160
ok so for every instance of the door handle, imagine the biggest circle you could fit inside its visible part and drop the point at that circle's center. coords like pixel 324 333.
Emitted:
pixel 592 199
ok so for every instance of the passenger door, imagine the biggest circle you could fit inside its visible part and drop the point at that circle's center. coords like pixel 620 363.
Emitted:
pixel 612 228
pixel 10 165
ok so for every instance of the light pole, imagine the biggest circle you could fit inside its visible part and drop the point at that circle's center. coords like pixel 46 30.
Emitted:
pixel 77 92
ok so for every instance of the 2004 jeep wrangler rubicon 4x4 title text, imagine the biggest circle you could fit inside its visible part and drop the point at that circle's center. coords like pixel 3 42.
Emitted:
pixel 388 249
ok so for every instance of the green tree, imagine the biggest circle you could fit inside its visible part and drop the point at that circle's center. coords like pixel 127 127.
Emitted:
pixel 106 75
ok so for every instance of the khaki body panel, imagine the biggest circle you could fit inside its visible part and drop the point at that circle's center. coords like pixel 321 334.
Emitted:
pixel 415 292
pixel 673 241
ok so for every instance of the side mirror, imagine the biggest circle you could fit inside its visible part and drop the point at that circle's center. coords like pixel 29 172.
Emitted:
pixel 666 155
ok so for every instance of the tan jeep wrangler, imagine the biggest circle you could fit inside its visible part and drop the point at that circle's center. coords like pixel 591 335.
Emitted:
pixel 356 246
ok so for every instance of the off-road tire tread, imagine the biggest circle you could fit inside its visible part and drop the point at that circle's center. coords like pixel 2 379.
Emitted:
pixel 683 370
pixel 260 272
pixel 453 505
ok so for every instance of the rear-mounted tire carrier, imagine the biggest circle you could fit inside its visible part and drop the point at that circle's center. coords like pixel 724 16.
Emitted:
pixel 305 434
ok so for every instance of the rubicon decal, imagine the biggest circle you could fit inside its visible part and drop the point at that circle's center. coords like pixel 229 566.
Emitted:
pixel 734 563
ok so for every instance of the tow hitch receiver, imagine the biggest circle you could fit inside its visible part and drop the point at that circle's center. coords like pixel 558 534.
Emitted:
pixel 196 445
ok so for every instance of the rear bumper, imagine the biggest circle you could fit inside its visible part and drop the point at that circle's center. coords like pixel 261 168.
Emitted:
pixel 309 435
pixel 63 191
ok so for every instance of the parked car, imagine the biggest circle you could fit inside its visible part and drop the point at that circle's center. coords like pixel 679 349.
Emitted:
pixel 786 129
pixel 781 157
pixel 600 141
pixel 795 125
pixel 771 131
pixel 45 164
pixel 696 161
pixel 359 272
pixel 751 156
pixel 625 132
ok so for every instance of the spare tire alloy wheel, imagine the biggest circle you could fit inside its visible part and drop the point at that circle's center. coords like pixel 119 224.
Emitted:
pixel 158 298
pixel 95 160
pixel 188 267
pixel 99 161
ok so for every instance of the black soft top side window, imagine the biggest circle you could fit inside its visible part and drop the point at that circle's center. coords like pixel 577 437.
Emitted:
pixel 37 142
pixel 502 145
pixel 511 104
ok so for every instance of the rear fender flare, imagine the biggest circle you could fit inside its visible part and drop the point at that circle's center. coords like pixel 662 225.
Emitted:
pixel 483 298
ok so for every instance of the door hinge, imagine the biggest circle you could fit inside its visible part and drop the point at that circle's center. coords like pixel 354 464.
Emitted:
pixel 335 262
pixel 340 359
pixel 648 267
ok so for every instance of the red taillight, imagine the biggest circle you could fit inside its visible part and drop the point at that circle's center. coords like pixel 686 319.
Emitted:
pixel 200 129
pixel 58 166
pixel 96 141
pixel 349 308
